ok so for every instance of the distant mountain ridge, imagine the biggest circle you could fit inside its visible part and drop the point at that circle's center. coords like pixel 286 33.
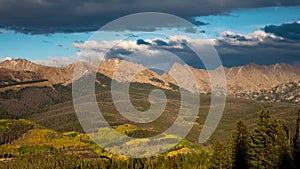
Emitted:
pixel 241 81
pixel 8 77
pixel 54 75
pixel 124 71
pixel 286 92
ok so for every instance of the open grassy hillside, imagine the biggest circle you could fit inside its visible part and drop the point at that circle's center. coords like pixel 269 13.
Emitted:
pixel 29 145
pixel 54 138
pixel 62 117
pixel 52 107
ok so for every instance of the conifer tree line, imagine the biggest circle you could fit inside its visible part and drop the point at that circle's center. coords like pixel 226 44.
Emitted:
pixel 269 145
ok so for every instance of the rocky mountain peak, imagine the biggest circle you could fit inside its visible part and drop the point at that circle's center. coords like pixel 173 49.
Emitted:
pixel 19 65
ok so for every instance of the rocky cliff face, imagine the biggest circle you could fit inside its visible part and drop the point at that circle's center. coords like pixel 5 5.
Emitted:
pixel 286 92
pixel 10 77
pixel 254 78
pixel 278 82
pixel 117 69
pixel 124 71
pixel 242 79
pixel 54 75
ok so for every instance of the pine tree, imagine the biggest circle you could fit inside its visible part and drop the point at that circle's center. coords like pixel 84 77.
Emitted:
pixel 296 142
pixel 269 143
pixel 219 158
pixel 240 146
pixel 259 142
pixel 286 158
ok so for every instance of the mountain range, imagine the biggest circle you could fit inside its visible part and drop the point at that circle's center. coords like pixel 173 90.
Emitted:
pixel 43 94
pixel 259 82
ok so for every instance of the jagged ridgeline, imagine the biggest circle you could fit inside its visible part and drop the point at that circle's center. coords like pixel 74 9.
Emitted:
pixel 275 83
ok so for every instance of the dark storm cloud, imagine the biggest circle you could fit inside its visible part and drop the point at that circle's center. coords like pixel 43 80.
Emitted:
pixel 160 42
pixel 191 30
pixel 262 48
pixel 160 46
pixel 48 16
pixel 266 46
pixel 263 53
pixel 142 42
pixel 120 53
pixel 198 23
pixel 241 50
pixel 289 31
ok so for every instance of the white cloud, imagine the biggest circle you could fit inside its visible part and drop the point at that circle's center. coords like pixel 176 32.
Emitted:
pixel 4 59
pixel 251 39
pixel 55 61
pixel 3 31
pixel 93 50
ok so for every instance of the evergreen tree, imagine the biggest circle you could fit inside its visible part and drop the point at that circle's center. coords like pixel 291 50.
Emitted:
pixel 219 158
pixel 296 142
pixel 259 142
pixel 269 143
pixel 286 158
pixel 240 146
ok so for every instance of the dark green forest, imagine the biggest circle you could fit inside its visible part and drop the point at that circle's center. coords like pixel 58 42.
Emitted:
pixel 269 144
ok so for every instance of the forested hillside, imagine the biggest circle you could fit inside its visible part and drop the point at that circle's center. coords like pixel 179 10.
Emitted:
pixel 268 145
